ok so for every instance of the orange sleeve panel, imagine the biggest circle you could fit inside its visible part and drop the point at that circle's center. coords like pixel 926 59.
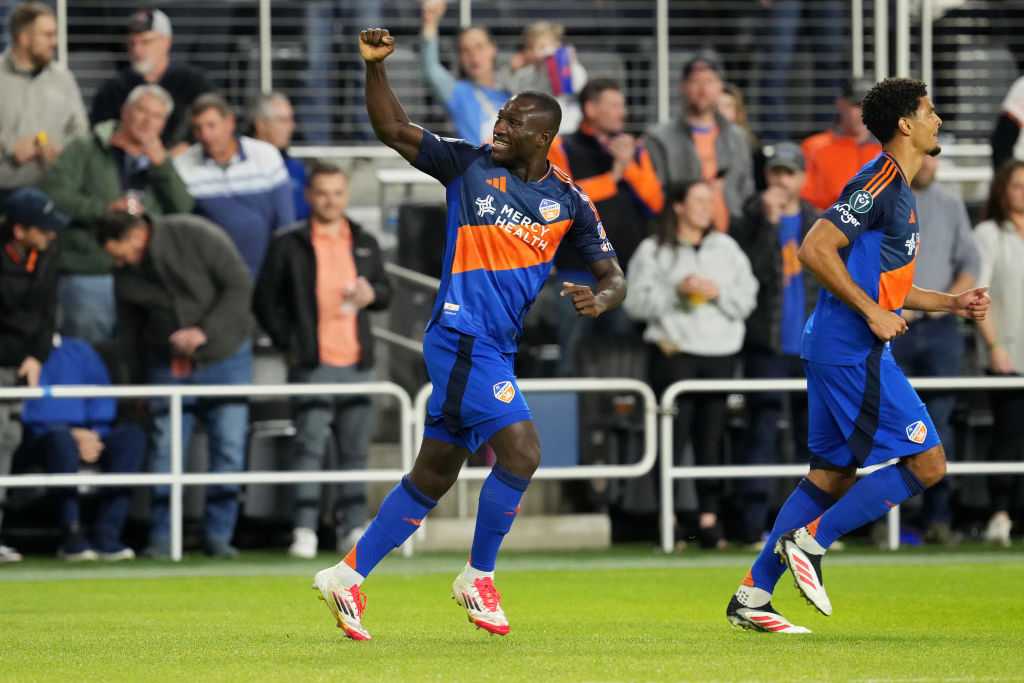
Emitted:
pixel 558 157
pixel 599 187
pixel 641 177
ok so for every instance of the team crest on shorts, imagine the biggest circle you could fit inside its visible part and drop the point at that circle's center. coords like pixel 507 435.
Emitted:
pixel 504 391
pixel 550 209
pixel 917 432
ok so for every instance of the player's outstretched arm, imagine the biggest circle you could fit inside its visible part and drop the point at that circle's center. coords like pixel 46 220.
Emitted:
pixel 972 304
pixel 390 122
pixel 819 253
pixel 611 289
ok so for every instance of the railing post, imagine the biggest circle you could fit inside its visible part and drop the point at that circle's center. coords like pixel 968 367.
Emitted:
pixel 667 482
pixel 893 527
pixel 176 471
pixel 662 71
pixel 266 49
pixel 62 33
pixel 857 37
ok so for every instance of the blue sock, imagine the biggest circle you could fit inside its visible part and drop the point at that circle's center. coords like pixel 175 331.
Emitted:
pixel 499 504
pixel 866 501
pixel 399 516
pixel 805 504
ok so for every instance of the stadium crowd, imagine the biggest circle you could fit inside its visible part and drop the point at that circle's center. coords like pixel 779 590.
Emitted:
pixel 147 240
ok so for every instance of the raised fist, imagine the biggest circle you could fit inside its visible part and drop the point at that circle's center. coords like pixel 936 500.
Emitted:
pixel 375 44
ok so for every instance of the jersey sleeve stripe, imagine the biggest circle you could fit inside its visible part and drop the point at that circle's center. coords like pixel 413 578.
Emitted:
pixel 878 177
pixel 891 176
pixel 894 285
pixel 491 247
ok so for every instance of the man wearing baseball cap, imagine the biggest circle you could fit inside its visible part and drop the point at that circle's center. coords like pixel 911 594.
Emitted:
pixel 28 308
pixel 770 231
pixel 149 52
pixel 834 156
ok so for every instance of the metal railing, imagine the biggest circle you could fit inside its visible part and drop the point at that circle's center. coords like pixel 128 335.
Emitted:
pixel 670 472
pixel 177 479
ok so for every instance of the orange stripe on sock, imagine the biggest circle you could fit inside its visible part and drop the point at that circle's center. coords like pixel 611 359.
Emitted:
pixel 748 580
pixel 350 559
pixel 812 528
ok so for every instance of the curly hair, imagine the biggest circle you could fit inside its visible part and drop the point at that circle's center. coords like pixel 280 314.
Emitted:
pixel 889 101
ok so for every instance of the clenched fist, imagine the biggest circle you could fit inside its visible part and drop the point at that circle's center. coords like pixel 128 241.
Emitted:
pixel 375 44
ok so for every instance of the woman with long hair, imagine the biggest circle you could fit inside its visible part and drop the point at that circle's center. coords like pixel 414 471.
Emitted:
pixel 693 287
pixel 1001 243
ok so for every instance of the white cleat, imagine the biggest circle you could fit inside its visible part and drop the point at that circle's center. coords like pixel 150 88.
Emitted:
pixel 304 543
pixel 998 529
pixel 345 600
pixel 481 600
pixel 763 618
pixel 802 555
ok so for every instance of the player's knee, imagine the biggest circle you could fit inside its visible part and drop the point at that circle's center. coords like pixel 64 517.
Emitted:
pixel 517 448
pixel 929 467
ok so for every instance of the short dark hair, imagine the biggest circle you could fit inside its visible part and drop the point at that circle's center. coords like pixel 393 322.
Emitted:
pixel 114 225
pixel 547 105
pixel 676 192
pixel 888 102
pixel 595 87
pixel 996 208
pixel 320 168
pixel 210 100
pixel 24 15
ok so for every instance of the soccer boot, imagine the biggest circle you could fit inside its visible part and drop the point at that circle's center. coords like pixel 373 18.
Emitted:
pixel 802 555
pixel 345 600
pixel 482 602
pixel 743 613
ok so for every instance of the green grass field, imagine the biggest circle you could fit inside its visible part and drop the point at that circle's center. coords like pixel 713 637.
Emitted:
pixel 628 615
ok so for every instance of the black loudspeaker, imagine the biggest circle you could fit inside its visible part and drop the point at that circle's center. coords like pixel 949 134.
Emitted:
pixel 421 237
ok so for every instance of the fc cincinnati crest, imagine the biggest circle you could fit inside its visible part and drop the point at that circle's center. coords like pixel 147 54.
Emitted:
pixel 504 392
pixel 917 432
pixel 550 210
pixel 861 201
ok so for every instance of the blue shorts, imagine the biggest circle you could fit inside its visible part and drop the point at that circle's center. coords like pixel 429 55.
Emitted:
pixel 864 414
pixel 475 391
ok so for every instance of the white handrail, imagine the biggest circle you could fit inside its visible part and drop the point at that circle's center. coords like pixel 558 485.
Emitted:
pixel 669 472
pixel 177 479
pixel 637 469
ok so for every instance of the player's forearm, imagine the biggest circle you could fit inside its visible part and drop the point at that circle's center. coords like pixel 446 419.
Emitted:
pixel 929 300
pixel 611 289
pixel 824 262
pixel 385 111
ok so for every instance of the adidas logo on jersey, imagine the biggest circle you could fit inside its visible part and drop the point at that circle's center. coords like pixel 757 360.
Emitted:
pixel 917 432
pixel 504 391
pixel 499 183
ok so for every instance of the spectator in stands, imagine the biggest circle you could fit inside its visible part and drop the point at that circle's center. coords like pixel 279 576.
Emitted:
pixel 239 183
pixel 693 287
pixel 314 295
pixel 546 64
pixel 1006 135
pixel 474 100
pixel 933 345
pixel 834 156
pixel 615 171
pixel 33 128
pixel 184 296
pixel 1001 244
pixel 149 55
pixel 28 304
pixel 732 106
pixel 61 432
pixel 122 166
pixel 702 145
pixel 273 122
pixel 773 225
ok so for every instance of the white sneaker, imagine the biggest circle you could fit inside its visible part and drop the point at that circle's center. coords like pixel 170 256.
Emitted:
pixel 802 555
pixel 304 543
pixel 998 529
pixel 121 555
pixel 751 608
pixel 343 598
pixel 9 554
pixel 474 590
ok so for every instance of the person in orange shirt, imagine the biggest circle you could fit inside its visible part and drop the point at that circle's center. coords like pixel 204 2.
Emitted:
pixel 319 280
pixel 833 156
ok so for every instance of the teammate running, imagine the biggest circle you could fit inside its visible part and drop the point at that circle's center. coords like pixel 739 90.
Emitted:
pixel 508 210
pixel 863 410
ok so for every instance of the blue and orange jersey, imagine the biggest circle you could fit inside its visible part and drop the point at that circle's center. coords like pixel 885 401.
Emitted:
pixel 878 214
pixel 501 239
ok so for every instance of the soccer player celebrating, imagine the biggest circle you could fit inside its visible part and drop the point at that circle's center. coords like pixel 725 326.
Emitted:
pixel 508 210
pixel 863 410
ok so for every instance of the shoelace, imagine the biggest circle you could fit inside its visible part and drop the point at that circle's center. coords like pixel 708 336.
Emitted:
pixel 359 598
pixel 488 593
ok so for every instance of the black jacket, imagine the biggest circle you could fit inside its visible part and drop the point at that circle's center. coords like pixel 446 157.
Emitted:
pixel 28 305
pixel 760 241
pixel 285 300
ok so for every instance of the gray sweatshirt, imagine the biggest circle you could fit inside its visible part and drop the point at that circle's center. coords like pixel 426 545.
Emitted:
pixel 48 101
pixel 712 328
